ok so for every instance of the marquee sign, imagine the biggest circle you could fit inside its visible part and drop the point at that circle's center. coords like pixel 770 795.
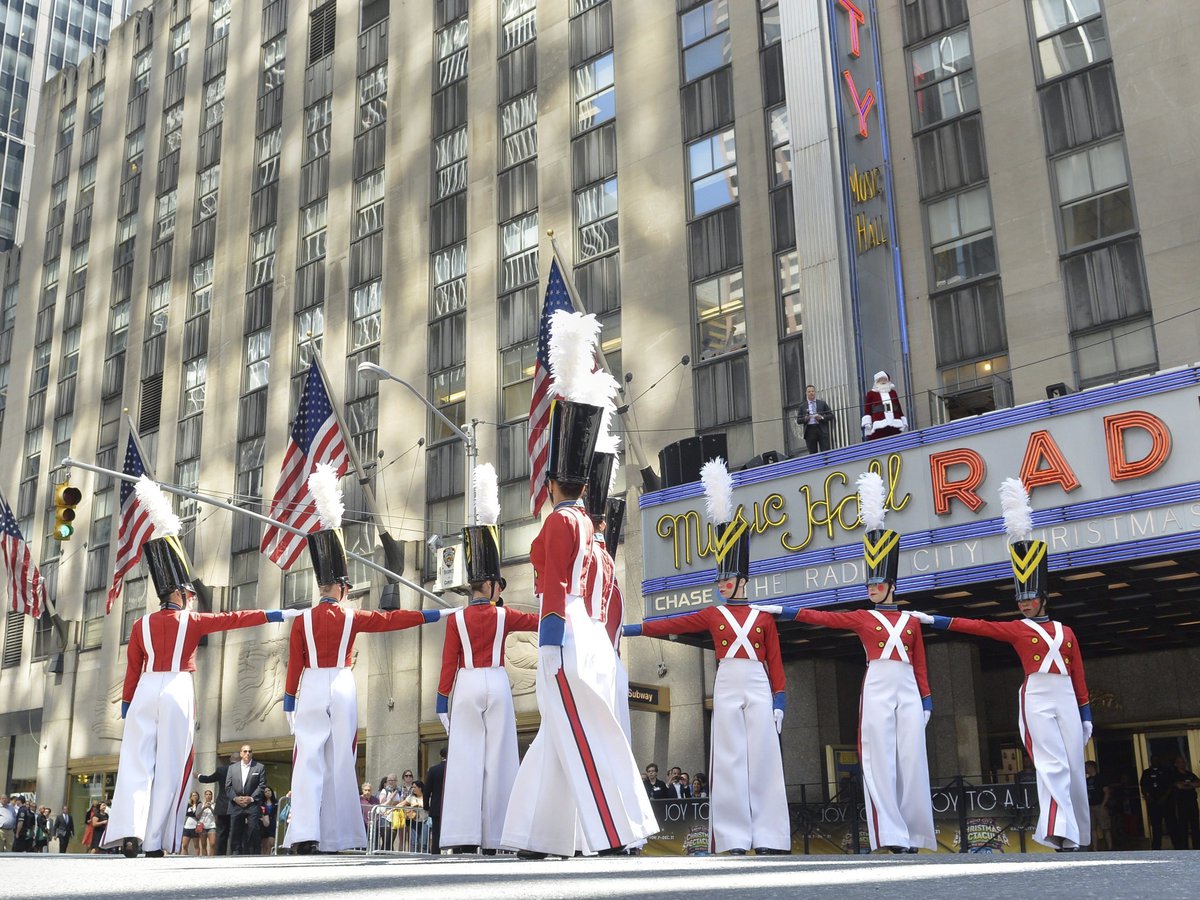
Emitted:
pixel 1110 471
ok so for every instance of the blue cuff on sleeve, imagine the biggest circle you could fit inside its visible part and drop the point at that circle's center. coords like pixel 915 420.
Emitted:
pixel 274 615
pixel 1085 712
pixel 631 630
pixel 941 623
pixel 289 703
pixel 431 615
pixel 125 709
pixel 550 631
pixel 780 701
pixel 927 704
pixel 443 704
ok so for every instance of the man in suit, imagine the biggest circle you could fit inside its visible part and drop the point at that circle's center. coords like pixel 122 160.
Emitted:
pixel 64 829
pixel 244 783
pixel 677 786
pixel 816 417
pixel 435 784
pixel 656 788
pixel 222 803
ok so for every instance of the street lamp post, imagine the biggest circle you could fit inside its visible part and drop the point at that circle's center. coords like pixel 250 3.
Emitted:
pixel 376 371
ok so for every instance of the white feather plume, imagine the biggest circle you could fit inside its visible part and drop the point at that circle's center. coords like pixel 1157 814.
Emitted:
pixel 607 442
pixel 718 491
pixel 616 470
pixel 1018 514
pixel 327 494
pixel 157 507
pixel 487 494
pixel 573 340
pixel 871 497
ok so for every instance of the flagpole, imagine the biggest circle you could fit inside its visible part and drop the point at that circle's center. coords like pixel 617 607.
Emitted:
pixel 68 462
pixel 631 435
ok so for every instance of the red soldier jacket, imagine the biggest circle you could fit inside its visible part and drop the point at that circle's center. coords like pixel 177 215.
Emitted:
pixel 561 556
pixel 606 603
pixel 159 655
pixel 875 638
pixel 484 647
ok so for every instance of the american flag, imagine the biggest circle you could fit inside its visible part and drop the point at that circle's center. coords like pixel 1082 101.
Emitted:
pixel 26 590
pixel 316 438
pixel 135 528
pixel 539 409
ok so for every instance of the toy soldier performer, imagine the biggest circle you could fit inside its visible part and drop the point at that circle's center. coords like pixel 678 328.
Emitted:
pixel 747 794
pixel 1054 715
pixel 158 702
pixel 482 759
pixel 579 771
pixel 896 702
pixel 322 707
pixel 882 413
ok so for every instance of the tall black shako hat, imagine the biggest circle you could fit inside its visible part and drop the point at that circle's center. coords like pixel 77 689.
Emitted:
pixel 614 519
pixel 574 428
pixel 165 557
pixel 327 547
pixel 731 546
pixel 599 483
pixel 881 546
pixel 481 541
pixel 1030 561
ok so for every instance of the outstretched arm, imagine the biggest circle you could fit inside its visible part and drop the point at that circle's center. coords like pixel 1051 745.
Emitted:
pixel 395 619
pixel 691 623
pixel 208 623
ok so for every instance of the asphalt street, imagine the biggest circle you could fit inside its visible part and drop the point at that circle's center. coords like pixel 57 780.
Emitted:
pixel 1161 876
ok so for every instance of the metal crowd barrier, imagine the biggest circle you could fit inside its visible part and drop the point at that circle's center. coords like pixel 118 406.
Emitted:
pixel 399 829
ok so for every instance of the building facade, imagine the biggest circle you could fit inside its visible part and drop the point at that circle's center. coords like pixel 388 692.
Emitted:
pixel 779 192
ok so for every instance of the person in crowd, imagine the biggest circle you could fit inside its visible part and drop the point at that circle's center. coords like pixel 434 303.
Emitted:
pixel 64 829
pixel 1155 783
pixel 45 829
pixel 699 786
pixel 1055 716
pixel 26 826
pixel 390 794
pixel 677 785
pixel 1098 798
pixel 415 834
pixel 285 812
pixel 8 823
pixel 219 838
pixel 245 785
pixel 86 840
pixel 817 418
pixel 190 821
pixel 1183 820
pixel 656 788
pixel 99 822
pixel 367 799
pixel 206 826
pixel 270 820
pixel 435 792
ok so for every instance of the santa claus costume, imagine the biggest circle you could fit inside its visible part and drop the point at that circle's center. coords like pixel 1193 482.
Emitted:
pixel 896 701
pixel 579 772
pixel 321 700
pixel 1055 717
pixel 474 698
pixel 882 414
pixel 158 702
pixel 748 797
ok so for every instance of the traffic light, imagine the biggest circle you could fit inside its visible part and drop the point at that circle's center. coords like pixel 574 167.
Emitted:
pixel 66 498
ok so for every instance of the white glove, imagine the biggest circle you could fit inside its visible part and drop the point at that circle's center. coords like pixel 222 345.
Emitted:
pixel 769 610
pixel 289 614
pixel 444 718
pixel 1087 732
pixel 778 720
pixel 928 714
pixel 866 422
pixel 550 660
pixel 291 721
pixel 449 611
pixel 923 618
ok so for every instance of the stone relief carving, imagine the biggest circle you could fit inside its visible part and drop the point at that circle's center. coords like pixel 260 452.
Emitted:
pixel 261 673
pixel 520 661
pixel 106 719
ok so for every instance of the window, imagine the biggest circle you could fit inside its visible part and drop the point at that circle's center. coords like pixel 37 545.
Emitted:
pixel 135 145
pixel 266 156
pixel 180 35
pixel 704 32
pixel 87 182
pixel 312 231
pixel 273 61
pixel 310 336
pixel 448 391
pixel 452 53
pixel 317 121
pixel 214 101
pixel 200 300
pixel 258 360
pixel 960 234
pixel 368 205
pixel 195 374
pixel 1080 109
pixel 969 324
pixel 925 17
pixel 720 315
pixel 165 217
pixel 596 219
pixel 450 163
pixel 1094 197
pixel 262 256
pixel 519 252
pixel 95 102
pixel 141 73
pixel 1106 285
pixel 517 23
pixel 173 128
pixel 943 80
pixel 723 401
pixel 1119 351
pixel 950 157
pixel 449 280
pixel 322 31
pixel 220 19
pixel 1070 35
pixel 769 19
pixel 712 169
pixel 372 98
pixel 518 129
pixel 790 306
pixel 207 183
pixel 595 94
pixel 781 145
pixel 366 301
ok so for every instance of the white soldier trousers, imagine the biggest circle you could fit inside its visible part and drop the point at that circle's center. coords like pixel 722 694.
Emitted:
pixel 481 761
pixel 325 801
pixel 155 766
pixel 1053 737
pixel 579 766
pixel 621 697
pixel 747 796
pixel 891 749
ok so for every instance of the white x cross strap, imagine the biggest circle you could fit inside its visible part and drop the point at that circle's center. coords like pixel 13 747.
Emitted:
pixel 741 633
pixel 1052 654
pixel 895 641
pixel 460 620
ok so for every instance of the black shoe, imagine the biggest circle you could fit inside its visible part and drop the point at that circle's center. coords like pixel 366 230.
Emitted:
pixel 911 849
pixel 1066 849
pixel 770 851
pixel 488 851
pixel 531 854
pixel 305 848
pixel 612 851
pixel 130 848
pixel 155 854
pixel 737 851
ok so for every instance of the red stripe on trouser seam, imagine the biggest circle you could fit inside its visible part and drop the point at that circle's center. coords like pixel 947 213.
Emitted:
pixel 1025 722
pixel 1053 816
pixel 589 762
